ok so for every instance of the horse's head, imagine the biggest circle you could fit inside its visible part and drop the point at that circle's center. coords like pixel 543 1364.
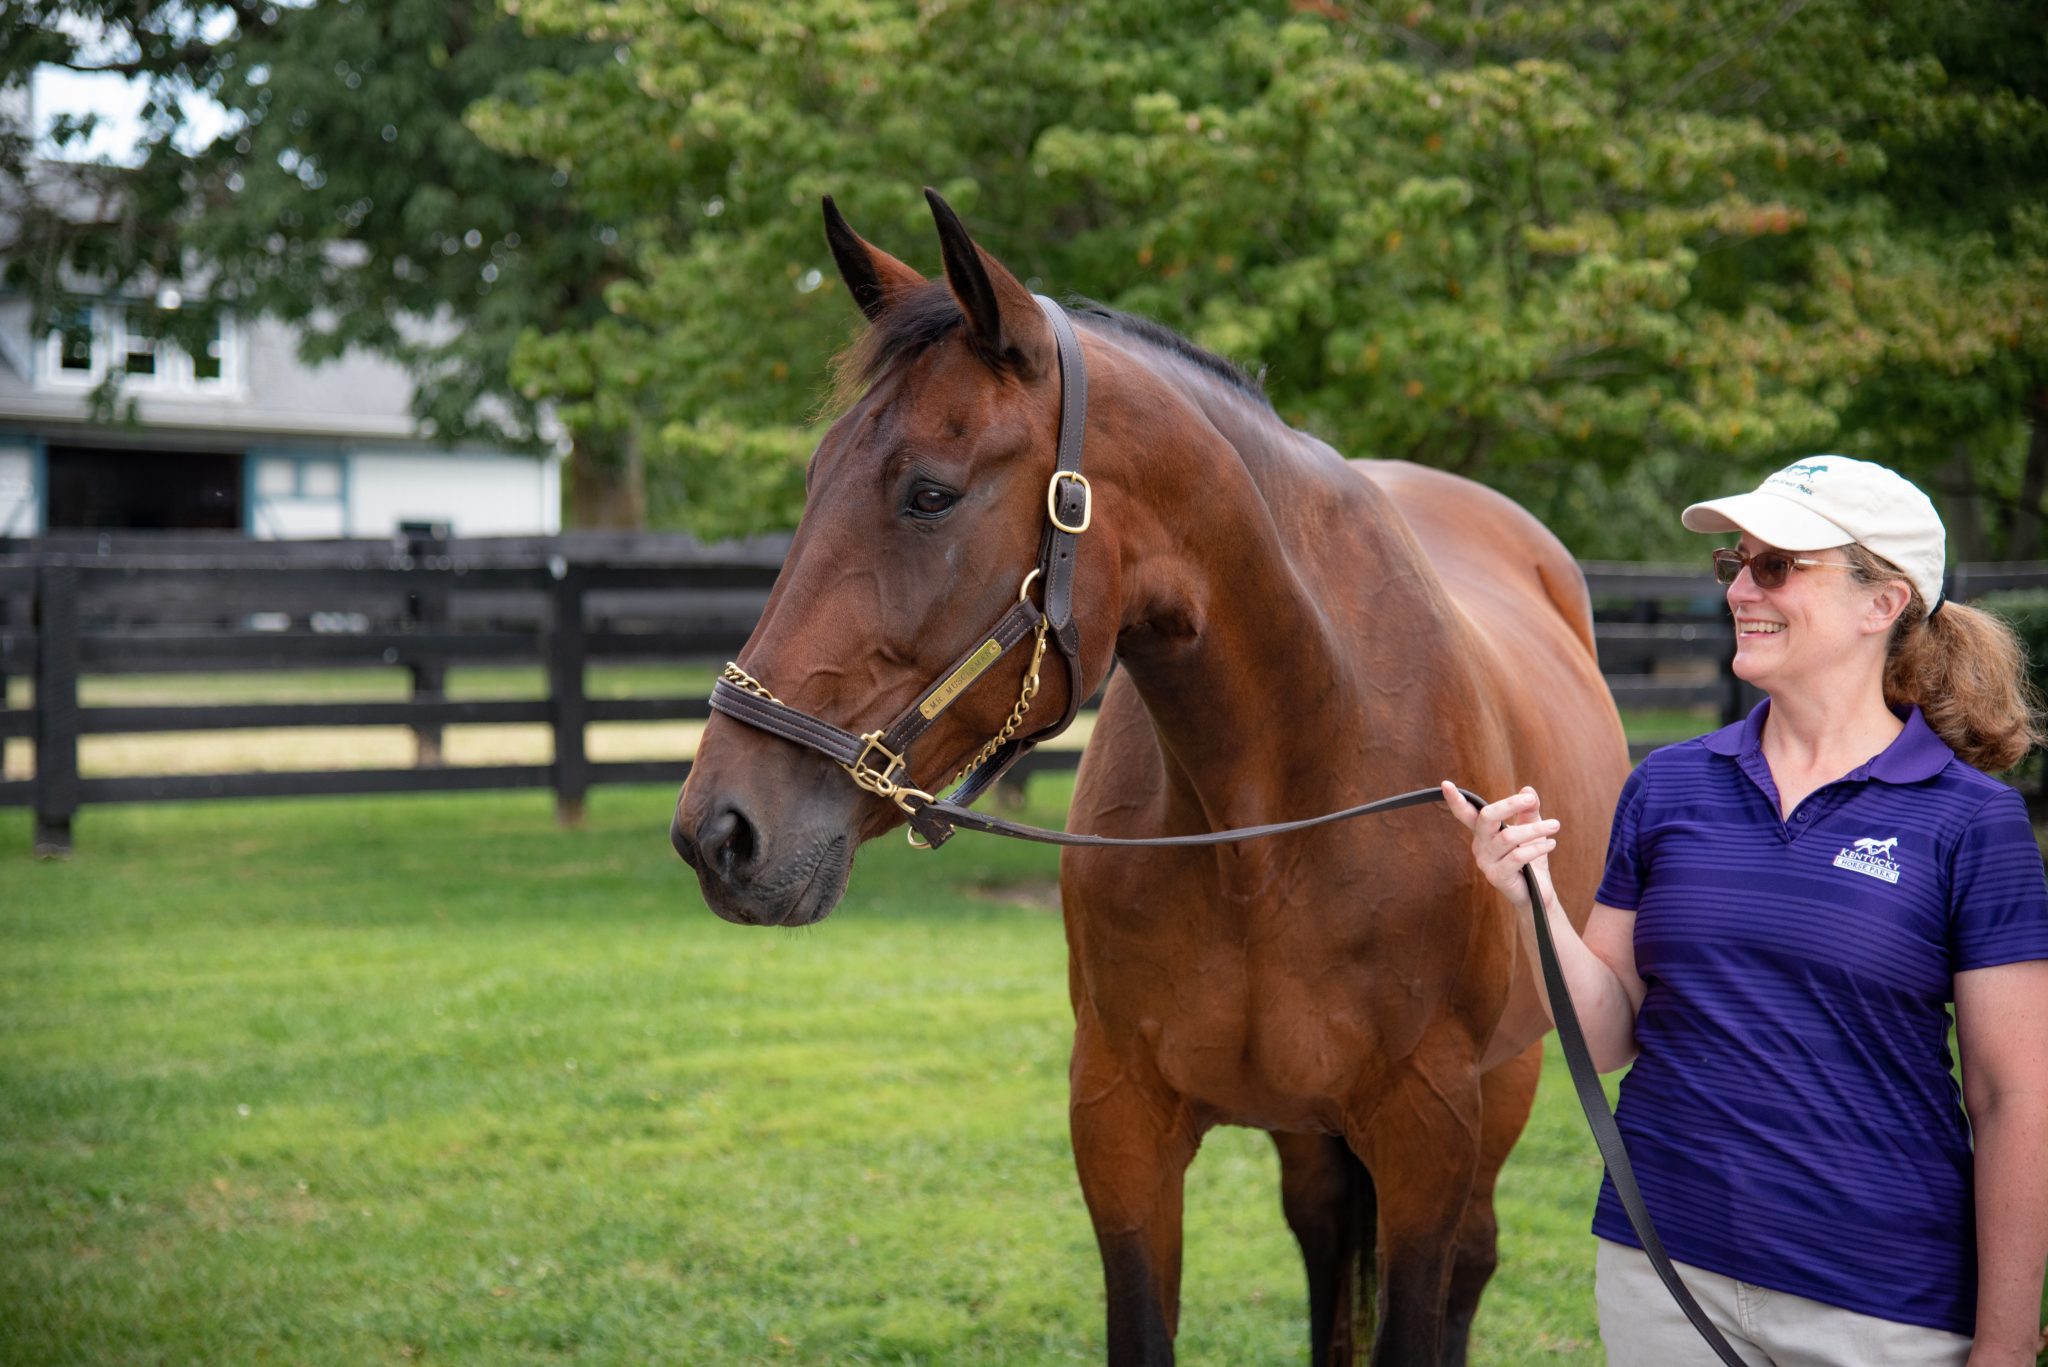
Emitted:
pixel 924 508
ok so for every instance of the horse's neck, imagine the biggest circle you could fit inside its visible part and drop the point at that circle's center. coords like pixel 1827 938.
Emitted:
pixel 1237 632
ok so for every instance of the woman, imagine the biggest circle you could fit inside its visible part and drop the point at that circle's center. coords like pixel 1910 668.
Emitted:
pixel 1789 907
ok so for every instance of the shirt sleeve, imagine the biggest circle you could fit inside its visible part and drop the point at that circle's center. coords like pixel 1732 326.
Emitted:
pixel 1998 897
pixel 1621 885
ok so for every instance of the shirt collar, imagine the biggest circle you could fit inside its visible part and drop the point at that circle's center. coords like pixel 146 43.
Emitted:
pixel 1741 738
pixel 1916 753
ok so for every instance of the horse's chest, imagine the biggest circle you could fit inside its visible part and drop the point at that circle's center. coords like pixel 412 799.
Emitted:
pixel 1276 1006
pixel 1252 1037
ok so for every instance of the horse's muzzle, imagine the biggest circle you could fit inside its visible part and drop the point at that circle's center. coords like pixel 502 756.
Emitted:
pixel 747 883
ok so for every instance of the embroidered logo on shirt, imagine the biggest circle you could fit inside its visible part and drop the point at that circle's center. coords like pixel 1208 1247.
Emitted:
pixel 1872 857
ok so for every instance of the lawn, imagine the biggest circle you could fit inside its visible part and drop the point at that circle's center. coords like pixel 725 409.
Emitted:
pixel 429 1080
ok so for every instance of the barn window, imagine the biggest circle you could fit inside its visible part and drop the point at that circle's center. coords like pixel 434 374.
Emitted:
pixel 87 339
pixel 321 479
pixel 277 478
pixel 72 341
pixel 139 348
pixel 209 361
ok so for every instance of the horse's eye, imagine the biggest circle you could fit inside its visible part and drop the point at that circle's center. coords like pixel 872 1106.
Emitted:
pixel 929 500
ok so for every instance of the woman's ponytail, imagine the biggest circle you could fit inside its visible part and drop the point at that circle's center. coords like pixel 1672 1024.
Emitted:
pixel 1964 669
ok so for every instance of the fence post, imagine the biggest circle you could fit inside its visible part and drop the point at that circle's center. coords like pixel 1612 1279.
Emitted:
pixel 426 609
pixel 6 615
pixel 566 703
pixel 56 704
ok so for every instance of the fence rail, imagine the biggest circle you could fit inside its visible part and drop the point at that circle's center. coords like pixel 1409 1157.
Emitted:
pixel 78 605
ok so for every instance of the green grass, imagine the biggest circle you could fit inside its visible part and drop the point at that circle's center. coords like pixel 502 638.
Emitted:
pixel 427 1079
pixel 1664 725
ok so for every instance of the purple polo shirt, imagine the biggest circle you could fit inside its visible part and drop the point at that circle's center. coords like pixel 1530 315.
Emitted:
pixel 1790 1113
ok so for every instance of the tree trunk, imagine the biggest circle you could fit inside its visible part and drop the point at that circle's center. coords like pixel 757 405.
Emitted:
pixel 607 485
pixel 2026 522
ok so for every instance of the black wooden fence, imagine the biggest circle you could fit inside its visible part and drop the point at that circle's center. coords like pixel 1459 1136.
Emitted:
pixel 79 605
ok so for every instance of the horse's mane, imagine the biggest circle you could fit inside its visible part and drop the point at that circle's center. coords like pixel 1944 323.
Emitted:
pixel 916 321
pixel 1166 339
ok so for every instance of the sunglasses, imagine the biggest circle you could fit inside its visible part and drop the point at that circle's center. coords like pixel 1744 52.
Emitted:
pixel 1767 569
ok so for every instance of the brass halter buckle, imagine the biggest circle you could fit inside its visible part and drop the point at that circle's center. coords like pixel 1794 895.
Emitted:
pixel 1052 501
pixel 881 782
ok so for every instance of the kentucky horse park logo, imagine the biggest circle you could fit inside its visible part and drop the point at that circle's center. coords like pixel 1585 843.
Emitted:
pixel 1873 857
pixel 1795 476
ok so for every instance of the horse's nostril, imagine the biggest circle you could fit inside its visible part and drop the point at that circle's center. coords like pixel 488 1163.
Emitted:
pixel 727 840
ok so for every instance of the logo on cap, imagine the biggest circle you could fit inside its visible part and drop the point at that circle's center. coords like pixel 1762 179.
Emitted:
pixel 1790 476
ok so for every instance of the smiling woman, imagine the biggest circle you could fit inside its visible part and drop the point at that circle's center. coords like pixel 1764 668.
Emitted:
pixel 1962 667
pixel 1791 905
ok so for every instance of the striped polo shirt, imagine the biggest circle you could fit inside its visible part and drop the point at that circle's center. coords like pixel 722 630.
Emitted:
pixel 1790 1112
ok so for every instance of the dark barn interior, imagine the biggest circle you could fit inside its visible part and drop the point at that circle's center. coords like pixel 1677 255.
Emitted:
pixel 105 488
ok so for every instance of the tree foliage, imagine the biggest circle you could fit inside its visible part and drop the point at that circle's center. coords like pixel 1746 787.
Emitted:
pixel 346 195
pixel 1606 255
pixel 98 227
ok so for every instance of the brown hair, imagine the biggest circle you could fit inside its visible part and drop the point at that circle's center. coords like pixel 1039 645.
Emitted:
pixel 1964 668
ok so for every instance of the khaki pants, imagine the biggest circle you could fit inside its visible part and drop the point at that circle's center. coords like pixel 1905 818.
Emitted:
pixel 1643 1327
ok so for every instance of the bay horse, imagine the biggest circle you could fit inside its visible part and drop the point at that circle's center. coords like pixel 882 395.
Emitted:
pixel 1296 633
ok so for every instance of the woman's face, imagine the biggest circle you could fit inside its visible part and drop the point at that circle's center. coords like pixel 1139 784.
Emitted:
pixel 1806 627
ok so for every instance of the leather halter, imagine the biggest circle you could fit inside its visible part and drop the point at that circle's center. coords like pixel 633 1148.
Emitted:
pixel 879 761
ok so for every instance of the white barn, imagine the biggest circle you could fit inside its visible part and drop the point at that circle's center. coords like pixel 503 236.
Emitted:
pixel 240 438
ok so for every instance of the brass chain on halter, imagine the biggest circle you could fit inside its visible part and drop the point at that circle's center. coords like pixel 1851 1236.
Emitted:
pixel 1024 697
pixel 740 679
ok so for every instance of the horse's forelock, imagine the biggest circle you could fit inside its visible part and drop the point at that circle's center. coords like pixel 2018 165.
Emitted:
pixel 911 325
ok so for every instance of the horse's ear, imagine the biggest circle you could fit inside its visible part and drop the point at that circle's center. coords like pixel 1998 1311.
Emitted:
pixel 873 276
pixel 1003 320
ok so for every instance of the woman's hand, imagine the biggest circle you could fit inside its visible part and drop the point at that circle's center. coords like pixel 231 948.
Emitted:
pixel 1507 836
pixel 1599 964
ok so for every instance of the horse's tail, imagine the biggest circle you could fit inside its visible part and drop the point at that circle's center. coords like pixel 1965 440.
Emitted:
pixel 1360 1219
pixel 1363 1215
pixel 1333 1209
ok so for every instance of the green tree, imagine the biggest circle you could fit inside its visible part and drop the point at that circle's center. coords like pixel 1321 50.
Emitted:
pixel 347 196
pixel 1957 281
pixel 1605 255
pixel 99 227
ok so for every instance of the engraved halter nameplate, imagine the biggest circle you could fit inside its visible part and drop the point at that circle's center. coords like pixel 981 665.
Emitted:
pixel 991 651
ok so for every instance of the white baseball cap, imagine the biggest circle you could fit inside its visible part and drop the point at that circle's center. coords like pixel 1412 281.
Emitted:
pixel 1826 501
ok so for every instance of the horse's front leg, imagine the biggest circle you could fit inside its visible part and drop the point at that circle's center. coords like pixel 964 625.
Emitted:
pixel 1133 1140
pixel 1421 1144
pixel 1506 1095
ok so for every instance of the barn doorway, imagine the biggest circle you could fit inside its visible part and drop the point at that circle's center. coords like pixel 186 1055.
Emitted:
pixel 103 488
